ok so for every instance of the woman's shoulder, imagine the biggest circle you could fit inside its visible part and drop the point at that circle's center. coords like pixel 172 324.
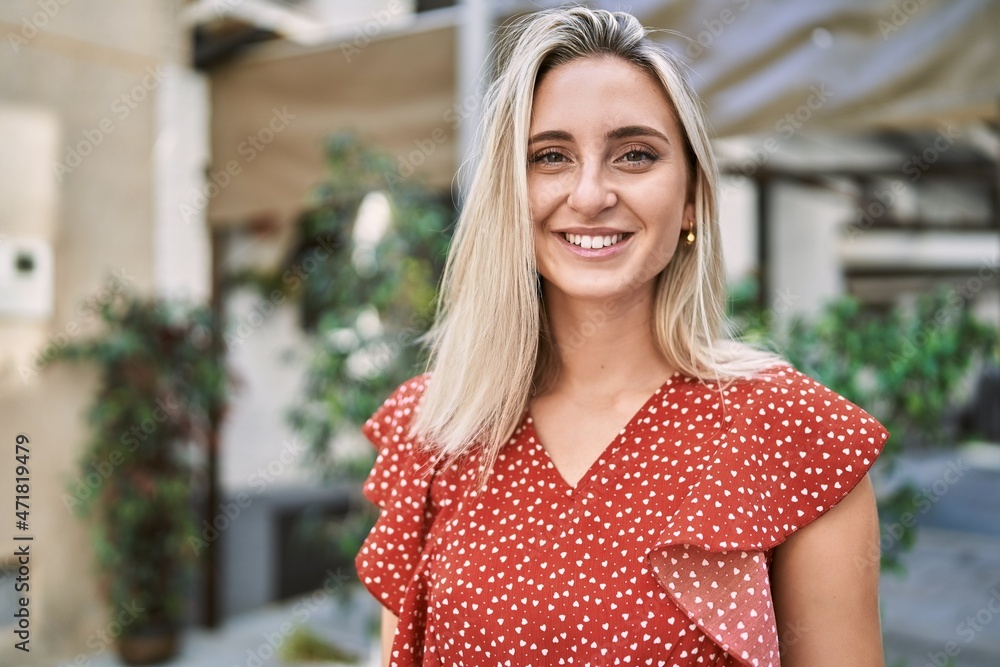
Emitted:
pixel 398 408
pixel 774 377
pixel 786 414
pixel 410 389
pixel 782 391
pixel 401 460
pixel 790 448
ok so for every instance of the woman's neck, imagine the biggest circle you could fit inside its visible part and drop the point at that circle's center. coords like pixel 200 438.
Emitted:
pixel 604 347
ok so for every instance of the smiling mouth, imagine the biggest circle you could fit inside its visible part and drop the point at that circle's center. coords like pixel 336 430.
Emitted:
pixel 595 242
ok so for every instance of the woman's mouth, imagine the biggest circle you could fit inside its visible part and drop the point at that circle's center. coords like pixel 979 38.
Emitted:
pixel 594 242
pixel 595 245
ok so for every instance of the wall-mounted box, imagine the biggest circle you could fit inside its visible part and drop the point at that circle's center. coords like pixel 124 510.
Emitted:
pixel 26 278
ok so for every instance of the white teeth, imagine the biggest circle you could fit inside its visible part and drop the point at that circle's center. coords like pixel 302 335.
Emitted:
pixel 593 242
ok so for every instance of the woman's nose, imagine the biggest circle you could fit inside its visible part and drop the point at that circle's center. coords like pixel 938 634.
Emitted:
pixel 591 193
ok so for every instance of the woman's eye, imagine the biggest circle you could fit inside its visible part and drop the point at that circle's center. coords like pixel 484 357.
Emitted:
pixel 548 157
pixel 638 155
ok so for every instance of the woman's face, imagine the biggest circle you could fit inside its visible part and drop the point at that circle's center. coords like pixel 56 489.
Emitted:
pixel 607 181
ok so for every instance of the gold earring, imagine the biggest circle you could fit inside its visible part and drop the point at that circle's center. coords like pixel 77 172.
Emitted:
pixel 689 239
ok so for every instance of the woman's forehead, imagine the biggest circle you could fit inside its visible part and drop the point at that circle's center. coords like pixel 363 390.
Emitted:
pixel 598 95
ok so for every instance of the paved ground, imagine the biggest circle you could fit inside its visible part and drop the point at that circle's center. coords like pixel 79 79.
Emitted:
pixel 949 600
pixel 948 604
pixel 253 639
pixel 944 602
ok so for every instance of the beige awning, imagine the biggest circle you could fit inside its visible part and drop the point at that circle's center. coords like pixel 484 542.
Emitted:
pixel 398 91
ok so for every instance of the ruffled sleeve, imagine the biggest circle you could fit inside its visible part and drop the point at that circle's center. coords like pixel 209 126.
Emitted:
pixel 400 484
pixel 791 450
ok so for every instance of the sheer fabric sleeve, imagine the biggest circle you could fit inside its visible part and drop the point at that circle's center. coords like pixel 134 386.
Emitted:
pixel 792 449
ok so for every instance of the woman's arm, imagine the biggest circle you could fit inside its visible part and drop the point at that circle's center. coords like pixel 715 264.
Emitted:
pixel 824 580
pixel 389 622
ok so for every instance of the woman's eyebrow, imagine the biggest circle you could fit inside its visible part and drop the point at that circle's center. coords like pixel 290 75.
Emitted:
pixel 625 132
pixel 551 135
pixel 636 131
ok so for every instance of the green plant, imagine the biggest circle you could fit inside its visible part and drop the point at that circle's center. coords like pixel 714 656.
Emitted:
pixel 907 366
pixel 162 385
pixel 363 300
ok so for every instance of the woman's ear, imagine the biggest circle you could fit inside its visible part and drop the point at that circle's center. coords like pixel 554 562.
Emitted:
pixel 691 191
pixel 688 215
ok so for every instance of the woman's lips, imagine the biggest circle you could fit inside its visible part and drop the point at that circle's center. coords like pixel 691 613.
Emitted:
pixel 607 251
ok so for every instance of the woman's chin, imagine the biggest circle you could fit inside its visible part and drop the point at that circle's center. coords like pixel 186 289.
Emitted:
pixel 597 293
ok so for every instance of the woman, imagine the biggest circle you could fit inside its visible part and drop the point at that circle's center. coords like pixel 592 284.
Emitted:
pixel 589 473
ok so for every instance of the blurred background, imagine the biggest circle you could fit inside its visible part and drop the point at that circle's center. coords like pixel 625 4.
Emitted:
pixel 222 223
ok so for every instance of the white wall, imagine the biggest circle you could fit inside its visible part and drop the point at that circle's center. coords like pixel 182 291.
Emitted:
pixel 805 269
pixel 738 222
pixel 182 260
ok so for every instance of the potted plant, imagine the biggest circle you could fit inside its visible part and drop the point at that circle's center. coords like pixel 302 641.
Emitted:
pixel 162 386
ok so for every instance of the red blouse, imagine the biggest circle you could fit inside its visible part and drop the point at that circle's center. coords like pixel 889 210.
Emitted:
pixel 659 556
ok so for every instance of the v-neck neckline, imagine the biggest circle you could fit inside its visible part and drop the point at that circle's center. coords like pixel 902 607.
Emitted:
pixel 609 449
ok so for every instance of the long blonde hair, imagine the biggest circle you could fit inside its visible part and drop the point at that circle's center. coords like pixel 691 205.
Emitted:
pixel 490 346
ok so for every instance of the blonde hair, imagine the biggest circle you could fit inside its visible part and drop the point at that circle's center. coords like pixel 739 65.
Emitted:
pixel 489 345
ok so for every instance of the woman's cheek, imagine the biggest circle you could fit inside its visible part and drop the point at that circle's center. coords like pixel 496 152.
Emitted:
pixel 541 206
pixel 547 189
